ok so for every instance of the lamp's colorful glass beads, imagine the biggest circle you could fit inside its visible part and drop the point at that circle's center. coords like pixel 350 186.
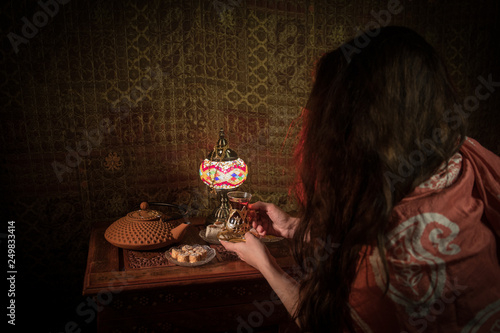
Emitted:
pixel 223 175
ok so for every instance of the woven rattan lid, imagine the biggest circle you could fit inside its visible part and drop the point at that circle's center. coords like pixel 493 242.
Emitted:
pixel 144 229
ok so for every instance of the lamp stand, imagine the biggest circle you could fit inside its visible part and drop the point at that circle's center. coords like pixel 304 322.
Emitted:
pixel 220 213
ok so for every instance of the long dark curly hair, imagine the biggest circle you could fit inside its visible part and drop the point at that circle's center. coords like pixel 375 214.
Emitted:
pixel 377 123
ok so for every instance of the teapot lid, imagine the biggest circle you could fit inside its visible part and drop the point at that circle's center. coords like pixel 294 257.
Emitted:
pixel 143 229
pixel 144 214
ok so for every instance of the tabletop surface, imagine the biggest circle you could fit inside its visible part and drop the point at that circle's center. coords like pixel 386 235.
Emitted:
pixel 111 267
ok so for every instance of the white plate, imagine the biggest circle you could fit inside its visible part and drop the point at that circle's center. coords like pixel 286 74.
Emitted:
pixel 265 239
pixel 271 239
pixel 210 256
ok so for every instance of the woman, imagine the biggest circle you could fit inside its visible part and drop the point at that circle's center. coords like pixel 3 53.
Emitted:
pixel 400 211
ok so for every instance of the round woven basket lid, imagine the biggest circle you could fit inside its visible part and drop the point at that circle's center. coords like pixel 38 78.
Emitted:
pixel 143 229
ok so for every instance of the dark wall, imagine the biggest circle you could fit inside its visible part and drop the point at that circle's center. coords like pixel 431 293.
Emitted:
pixel 110 103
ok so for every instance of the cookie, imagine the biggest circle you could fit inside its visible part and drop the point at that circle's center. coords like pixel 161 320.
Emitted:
pixel 194 257
pixel 183 257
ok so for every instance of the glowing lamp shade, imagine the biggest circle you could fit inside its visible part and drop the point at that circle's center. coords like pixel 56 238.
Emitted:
pixel 222 170
pixel 224 175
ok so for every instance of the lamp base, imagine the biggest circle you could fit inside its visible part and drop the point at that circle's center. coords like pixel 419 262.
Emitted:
pixel 220 213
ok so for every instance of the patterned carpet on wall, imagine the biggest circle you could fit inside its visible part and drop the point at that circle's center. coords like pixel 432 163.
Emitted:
pixel 106 104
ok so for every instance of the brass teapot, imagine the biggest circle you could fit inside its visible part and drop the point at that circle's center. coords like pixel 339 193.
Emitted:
pixel 145 229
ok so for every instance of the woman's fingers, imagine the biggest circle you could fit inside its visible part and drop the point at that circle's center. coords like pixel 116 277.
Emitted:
pixel 229 246
pixel 259 205
pixel 249 237
pixel 260 230
pixel 252 251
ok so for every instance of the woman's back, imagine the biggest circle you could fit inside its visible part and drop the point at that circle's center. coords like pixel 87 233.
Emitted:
pixel 379 125
pixel 442 255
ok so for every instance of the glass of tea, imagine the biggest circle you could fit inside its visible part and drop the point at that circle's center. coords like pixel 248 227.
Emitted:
pixel 239 200
pixel 238 223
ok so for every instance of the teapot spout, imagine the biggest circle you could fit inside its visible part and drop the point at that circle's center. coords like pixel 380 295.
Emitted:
pixel 179 231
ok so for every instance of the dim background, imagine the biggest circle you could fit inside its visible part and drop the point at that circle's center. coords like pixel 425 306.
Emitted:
pixel 164 77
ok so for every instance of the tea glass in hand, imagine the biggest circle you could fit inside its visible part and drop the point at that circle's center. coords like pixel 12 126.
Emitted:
pixel 238 222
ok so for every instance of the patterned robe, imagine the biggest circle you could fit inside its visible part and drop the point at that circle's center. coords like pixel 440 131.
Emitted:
pixel 443 255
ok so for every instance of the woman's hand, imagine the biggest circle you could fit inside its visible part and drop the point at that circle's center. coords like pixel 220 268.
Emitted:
pixel 269 219
pixel 252 251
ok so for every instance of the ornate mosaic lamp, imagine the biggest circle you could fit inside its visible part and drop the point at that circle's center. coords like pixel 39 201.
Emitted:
pixel 222 171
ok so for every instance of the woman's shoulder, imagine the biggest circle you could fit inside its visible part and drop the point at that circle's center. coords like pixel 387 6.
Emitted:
pixel 473 150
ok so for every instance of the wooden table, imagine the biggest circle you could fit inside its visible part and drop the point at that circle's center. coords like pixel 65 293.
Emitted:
pixel 140 291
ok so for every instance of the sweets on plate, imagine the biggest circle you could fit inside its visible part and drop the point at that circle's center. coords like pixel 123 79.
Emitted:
pixel 194 257
pixel 212 231
pixel 174 253
pixel 183 257
pixel 202 252
pixel 188 253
